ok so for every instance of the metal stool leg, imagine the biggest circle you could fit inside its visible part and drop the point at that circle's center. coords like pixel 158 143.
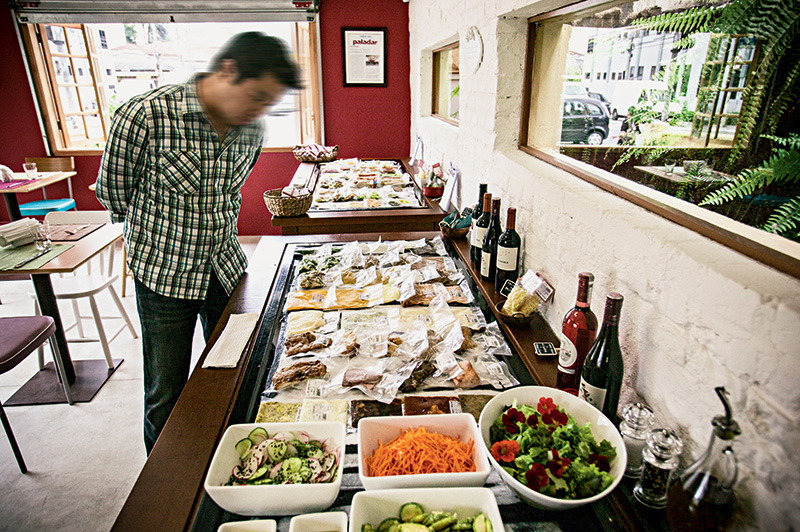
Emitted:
pixel 13 441
pixel 62 374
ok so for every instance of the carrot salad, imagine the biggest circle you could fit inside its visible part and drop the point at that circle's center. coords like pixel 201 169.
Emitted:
pixel 418 451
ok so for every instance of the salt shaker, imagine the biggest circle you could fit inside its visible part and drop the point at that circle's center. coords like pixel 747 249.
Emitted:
pixel 637 419
pixel 659 462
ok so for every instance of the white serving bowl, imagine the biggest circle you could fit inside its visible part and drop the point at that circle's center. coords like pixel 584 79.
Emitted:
pixel 282 499
pixel 583 412
pixel 376 505
pixel 256 525
pixel 372 431
pixel 319 522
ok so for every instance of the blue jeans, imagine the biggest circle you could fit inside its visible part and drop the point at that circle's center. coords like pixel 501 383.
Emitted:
pixel 168 326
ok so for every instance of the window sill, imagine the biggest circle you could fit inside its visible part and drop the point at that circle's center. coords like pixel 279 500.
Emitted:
pixel 773 250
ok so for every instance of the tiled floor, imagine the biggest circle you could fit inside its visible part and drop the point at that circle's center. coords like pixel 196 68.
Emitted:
pixel 82 459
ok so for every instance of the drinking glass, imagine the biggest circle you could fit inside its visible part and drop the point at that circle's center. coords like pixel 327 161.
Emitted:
pixel 41 236
pixel 669 166
pixel 30 170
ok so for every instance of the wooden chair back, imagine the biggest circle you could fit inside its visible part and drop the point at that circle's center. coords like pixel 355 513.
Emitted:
pixel 53 164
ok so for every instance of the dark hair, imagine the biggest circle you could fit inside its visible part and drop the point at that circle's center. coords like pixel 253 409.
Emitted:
pixel 257 54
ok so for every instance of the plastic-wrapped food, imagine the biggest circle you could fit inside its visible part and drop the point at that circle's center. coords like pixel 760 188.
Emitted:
pixel 526 296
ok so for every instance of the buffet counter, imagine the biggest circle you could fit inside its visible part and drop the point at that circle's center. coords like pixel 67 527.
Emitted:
pixel 425 217
pixel 169 494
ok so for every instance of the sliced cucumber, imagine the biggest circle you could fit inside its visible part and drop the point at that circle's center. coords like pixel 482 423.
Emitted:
pixel 481 524
pixel 243 447
pixel 366 527
pixel 387 524
pixel 409 511
pixel 257 435
pixel 443 523
pixel 291 465
pixel 412 527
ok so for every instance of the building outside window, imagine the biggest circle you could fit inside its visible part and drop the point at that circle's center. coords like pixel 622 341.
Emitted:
pixel 446 83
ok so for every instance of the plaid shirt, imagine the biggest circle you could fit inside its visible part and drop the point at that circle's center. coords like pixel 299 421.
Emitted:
pixel 176 185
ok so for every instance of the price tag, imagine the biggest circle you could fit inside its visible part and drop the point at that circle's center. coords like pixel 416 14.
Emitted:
pixel 544 349
pixel 507 287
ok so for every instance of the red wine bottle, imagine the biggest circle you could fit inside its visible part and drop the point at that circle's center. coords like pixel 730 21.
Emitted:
pixel 507 252
pixel 601 378
pixel 476 213
pixel 481 225
pixel 489 248
pixel 580 329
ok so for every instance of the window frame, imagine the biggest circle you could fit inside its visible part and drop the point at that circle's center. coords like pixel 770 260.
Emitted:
pixel 437 79
pixel 750 241
pixel 53 116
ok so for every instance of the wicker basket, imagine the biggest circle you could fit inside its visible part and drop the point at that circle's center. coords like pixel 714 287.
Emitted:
pixel 285 206
pixel 303 158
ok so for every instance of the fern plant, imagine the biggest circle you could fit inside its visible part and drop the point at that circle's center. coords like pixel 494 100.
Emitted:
pixel 781 168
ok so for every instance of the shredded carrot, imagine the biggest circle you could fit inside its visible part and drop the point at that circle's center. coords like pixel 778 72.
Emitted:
pixel 418 451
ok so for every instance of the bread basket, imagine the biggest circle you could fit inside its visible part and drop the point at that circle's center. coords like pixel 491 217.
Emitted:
pixel 280 205
pixel 304 155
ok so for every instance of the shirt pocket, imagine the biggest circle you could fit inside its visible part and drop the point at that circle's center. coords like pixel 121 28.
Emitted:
pixel 180 171
pixel 240 172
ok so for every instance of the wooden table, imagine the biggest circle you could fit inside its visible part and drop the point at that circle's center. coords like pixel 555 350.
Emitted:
pixel 169 491
pixel 85 376
pixel 425 218
pixel 45 179
pixel 678 176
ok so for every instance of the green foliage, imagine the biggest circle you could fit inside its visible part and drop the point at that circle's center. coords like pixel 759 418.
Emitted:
pixel 781 168
pixel 689 22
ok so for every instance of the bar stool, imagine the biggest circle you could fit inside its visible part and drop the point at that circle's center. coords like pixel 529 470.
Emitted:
pixel 19 337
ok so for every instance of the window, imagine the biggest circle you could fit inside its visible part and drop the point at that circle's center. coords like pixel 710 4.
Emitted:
pixel 83 72
pixel 690 110
pixel 446 83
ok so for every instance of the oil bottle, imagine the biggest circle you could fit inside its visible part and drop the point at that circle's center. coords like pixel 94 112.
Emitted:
pixel 702 499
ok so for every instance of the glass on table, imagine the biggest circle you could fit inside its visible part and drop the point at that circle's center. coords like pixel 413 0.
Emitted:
pixel 31 171
pixel 669 166
pixel 41 235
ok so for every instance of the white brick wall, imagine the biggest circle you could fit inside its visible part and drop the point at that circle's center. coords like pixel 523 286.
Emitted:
pixel 696 314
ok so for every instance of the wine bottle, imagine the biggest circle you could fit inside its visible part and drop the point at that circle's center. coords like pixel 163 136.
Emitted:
pixel 507 252
pixel 481 225
pixel 580 329
pixel 476 213
pixel 601 378
pixel 489 248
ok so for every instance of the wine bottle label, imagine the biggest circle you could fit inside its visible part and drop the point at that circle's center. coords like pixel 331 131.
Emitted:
pixel 592 394
pixel 477 236
pixel 486 259
pixel 568 358
pixel 507 258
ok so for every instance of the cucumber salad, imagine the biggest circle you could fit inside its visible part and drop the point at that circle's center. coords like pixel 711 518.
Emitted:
pixel 284 458
pixel 413 518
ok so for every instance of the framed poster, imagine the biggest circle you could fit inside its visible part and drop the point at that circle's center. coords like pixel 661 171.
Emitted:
pixel 364 57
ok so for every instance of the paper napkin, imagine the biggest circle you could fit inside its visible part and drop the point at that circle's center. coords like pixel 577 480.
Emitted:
pixel 231 343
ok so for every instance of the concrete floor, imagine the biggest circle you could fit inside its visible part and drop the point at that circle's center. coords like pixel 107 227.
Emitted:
pixel 82 459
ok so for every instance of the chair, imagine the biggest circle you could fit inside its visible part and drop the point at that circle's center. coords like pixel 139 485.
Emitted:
pixel 89 285
pixel 42 207
pixel 18 338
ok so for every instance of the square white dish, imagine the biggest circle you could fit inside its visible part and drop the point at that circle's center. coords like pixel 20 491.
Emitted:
pixel 319 522
pixel 277 499
pixel 372 431
pixel 376 505
pixel 256 525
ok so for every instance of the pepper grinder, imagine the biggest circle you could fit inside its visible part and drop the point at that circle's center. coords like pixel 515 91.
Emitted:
pixel 659 462
pixel 637 419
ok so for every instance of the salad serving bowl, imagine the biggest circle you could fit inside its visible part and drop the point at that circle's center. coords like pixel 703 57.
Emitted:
pixel 274 499
pixel 372 431
pixel 582 412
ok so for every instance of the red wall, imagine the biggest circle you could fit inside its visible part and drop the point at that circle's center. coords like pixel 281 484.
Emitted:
pixel 363 121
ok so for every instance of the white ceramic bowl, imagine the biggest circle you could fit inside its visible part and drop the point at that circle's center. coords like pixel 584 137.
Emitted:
pixel 283 499
pixel 319 522
pixel 579 409
pixel 376 505
pixel 256 525
pixel 372 431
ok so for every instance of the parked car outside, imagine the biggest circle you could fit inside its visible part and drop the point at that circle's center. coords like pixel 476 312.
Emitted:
pixel 584 120
pixel 599 96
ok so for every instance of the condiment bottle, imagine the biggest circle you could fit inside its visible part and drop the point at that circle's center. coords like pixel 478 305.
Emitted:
pixel 703 497
pixel 659 461
pixel 637 419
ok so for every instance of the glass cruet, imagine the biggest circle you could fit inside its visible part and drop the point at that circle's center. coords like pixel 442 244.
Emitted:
pixel 703 497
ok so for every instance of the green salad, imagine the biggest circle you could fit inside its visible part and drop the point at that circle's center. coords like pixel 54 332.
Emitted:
pixel 545 449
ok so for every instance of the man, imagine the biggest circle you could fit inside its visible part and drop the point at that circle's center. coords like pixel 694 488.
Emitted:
pixel 172 170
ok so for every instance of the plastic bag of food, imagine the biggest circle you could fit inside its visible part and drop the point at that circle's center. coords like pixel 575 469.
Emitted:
pixel 530 291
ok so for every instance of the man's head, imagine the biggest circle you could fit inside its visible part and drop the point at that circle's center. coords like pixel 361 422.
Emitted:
pixel 249 74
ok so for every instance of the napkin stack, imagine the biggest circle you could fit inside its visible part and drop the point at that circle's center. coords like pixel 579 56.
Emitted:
pixel 231 343
pixel 18 233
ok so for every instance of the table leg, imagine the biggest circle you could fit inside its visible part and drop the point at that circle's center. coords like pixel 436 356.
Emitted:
pixel 47 302
pixel 12 206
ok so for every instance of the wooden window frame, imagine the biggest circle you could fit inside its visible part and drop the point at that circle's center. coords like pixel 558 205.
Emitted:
pixel 750 241
pixel 53 115
pixel 437 79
